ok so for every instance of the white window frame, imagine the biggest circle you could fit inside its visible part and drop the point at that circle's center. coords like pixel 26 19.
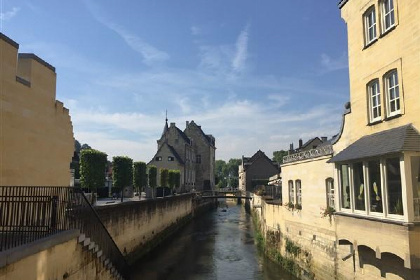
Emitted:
pixel 384 189
pixel 374 94
pixel 330 192
pixel 391 83
pixel 291 191
pixel 340 190
pixel 388 10
pixel 298 192
pixel 370 25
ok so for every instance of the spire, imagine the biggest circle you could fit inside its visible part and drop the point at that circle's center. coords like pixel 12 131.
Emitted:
pixel 165 129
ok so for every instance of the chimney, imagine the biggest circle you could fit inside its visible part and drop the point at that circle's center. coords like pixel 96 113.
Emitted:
pixel 187 123
pixel 300 143
pixel 291 147
pixel 324 138
pixel 172 124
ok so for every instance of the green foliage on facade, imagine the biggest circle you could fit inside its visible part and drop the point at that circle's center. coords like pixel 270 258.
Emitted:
pixel 122 171
pixel 152 176
pixel 92 169
pixel 139 175
pixel 164 177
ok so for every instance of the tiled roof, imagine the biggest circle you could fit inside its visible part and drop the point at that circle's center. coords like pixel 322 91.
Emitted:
pixel 249 161
pixel 403 138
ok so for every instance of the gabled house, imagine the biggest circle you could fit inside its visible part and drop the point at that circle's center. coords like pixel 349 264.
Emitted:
pixel 256 170
pixel 205 153
pixel 192 152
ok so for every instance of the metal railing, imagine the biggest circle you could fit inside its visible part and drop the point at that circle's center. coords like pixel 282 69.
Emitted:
pixel 31 213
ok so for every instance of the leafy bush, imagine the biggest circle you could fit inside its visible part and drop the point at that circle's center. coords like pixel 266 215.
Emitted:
pixel 164 177
pixel 139 175
pixel 152 176
pixel 92 169
pixel 122 171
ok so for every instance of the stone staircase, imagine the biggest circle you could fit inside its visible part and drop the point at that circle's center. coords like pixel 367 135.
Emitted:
pixel 90 246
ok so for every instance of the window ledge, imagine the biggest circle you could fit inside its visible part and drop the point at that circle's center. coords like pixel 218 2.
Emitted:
pixel 388 31
pixel 370 43
pixel 377 219
pixel 393 117
pixel 374 122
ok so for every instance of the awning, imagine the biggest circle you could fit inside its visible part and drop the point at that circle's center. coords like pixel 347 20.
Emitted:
pixel 403 138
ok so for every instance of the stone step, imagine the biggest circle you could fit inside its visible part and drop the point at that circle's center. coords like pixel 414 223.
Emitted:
pixel 81 238
pixel 91 246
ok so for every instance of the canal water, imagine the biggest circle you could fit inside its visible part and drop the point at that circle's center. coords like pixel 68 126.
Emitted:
pixel 218 245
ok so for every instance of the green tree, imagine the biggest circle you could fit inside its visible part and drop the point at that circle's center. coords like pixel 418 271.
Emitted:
pixel 278 156
pixel 122 172
pixel 177 178
pixel 164 177
pixel 171 178
pixel 152 176
pixel 139 175
pixel 92 169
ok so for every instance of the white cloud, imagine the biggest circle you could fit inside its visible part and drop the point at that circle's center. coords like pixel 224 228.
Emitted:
pixel 241 54
pixel 150 54
pixel 8 15
pixel 330 64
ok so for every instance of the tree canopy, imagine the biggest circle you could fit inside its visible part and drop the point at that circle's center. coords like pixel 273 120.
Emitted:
pixel 122 171
pixel 278 156
pixel 92 169
pixel 227 173
pixel 152 176
pixel 139 174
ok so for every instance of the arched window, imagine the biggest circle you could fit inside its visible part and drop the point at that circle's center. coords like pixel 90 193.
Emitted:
pixel 329 183
pixel 392 90
pixel 291 192
pixel 298 184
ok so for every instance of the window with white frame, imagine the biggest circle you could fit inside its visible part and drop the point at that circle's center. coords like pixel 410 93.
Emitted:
pixel 329 183
pixel 388 14
pixel 369 181
pixel 344 186
pixel 291 192
pixel 358 186
pixel 374 101
pixel 375 186
pixel 298 184
pixel 370 25
pixel 392 89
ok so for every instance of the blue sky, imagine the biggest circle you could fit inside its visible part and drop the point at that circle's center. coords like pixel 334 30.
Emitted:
pixel 254 74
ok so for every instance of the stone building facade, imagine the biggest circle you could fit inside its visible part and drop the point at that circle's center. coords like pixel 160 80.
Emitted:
pixel 191 151
pixel 254 170
pixel 351 207
pixel 36 140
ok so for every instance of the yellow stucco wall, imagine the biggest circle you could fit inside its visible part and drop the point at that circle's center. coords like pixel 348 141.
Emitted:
pixel 53 263
pixel 397 49
pixel 36 141
pixel 133 225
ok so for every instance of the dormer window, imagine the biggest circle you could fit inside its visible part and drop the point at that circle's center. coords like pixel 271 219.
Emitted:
pixel 370 26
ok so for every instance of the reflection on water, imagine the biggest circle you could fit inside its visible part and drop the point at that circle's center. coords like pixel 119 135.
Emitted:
pixel 217 245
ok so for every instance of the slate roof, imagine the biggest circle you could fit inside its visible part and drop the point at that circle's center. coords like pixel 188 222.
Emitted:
pixel 183 135
pixel 172 150
pixel 403 138
pixel 247 161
